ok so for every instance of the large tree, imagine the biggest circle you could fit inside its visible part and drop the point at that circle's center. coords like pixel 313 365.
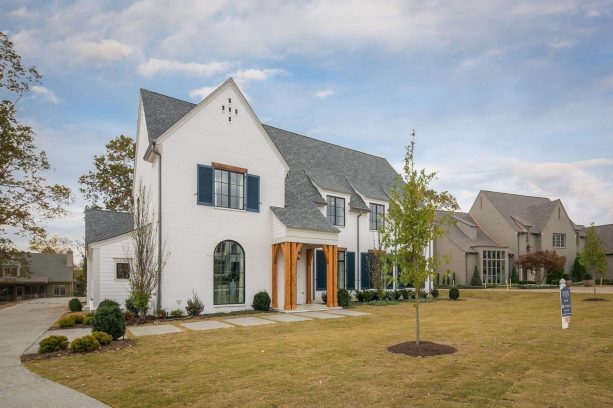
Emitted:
pixel 109 185
pixel 411 225
pixel 593 256
pixel 50 244
pixel 541 263
pixel 26 198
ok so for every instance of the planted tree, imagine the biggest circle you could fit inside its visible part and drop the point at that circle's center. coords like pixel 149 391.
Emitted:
pixel 541 264
pixel 593 256
pixel 476 279
pixel 146 256
pixel 50 244
pixel 109 185
pixel 514 275
pixel 578 269
pixel 411 225
pixel 26 198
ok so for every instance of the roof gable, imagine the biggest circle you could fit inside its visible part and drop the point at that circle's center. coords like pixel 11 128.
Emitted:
pixel 161 112
pixel 605 233
pixel 102 224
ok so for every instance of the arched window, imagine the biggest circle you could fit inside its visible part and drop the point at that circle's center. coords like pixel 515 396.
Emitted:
pixel 229 273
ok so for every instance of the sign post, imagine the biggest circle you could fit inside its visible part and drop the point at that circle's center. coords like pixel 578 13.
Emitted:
pixel 565 303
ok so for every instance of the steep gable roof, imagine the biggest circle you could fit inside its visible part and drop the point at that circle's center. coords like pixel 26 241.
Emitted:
pixel 102 224
pixel 605 233
pixel 463 241
pixel 161 112
pixel 50 266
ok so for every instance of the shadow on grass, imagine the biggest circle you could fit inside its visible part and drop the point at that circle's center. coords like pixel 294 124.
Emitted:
pixel 595 300
pixel 425 349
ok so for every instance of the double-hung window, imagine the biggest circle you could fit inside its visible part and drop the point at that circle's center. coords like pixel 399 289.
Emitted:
pixel 377 213
pixel 559 240
pixel 122 270
pixel 229 189
pixel 336 210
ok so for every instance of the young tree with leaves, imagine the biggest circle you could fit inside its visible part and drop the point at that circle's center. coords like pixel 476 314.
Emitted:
pixel 145 261
pixel 109 185
pixel 411 225
pixel 26 198
pixel 593 256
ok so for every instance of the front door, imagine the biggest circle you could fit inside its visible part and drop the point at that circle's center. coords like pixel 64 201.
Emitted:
pixel 19 292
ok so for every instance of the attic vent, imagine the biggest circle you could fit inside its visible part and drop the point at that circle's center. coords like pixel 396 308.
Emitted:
pixel 229 119
pixel 223 108
pixel 229 101
pixel 236 111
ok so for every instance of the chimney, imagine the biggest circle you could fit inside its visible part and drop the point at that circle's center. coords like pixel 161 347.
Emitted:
pixel 69 258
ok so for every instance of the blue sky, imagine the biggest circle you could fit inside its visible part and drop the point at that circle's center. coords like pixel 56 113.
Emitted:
pixel 504 95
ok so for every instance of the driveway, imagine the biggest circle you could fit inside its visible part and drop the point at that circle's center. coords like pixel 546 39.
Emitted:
pixel 21 326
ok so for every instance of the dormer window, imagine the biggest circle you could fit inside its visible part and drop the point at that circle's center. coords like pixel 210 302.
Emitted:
pixel 336 210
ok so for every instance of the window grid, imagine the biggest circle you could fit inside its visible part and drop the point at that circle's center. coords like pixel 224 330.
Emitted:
pixel 122 270
pixel 341 270
pixel 336 210
pixel 229 189
pixel 494 266
pixel 377 214
pixel 229 274
pixel 559 240
pixel 59 290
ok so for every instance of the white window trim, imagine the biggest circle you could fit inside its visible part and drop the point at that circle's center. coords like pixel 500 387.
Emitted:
pixel 118 261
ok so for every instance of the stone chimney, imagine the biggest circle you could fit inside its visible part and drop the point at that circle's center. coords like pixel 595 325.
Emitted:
pixel 69 258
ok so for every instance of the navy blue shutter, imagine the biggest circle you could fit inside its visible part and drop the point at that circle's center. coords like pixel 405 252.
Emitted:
pixel 205 184
pixel 253 193
pixel 365 270
pixel 320 271
pixel 350 265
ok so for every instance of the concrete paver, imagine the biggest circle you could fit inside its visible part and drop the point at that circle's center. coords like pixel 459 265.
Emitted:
pixel 153 330
pixel 286 318
pixel 345 312
pixel 249 321
pixel 206 325
pixel 321 315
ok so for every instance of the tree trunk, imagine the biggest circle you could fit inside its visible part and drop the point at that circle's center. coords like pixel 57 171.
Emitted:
pixel 417 316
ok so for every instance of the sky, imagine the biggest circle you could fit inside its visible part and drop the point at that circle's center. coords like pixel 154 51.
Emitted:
pixel 506 96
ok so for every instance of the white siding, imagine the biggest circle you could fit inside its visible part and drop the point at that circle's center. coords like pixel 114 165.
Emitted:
pixel 107 253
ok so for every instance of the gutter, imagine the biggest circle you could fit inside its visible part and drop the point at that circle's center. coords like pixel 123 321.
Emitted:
pixel 359 280
pixel 158 299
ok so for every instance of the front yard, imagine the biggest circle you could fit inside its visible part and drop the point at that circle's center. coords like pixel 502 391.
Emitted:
pixel 511 352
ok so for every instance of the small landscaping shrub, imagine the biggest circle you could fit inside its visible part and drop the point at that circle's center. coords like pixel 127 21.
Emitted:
pixel 84 344
pixel 66 322
pixel 161 313
pixel 176 313
pixel 52 344
pixel 127 316
pixel 131 306
pixel 343 297
pixel 454 293
pixel 587 276
pixel 87 319
pixel 388 295
pixel 108 302
pixel 78 319
pixel 103 338
pixel 368 296
pixel 359 296
pixel 434 293
pixel 406 295
pixel 194 305
pixel 75 305
pixel 514 276
pixel 324 297
pixel 109 319
pixel 476 279
pixel 261 301
pixel 397 295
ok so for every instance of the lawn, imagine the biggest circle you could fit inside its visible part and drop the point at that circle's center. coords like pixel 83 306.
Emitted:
pixel 511 352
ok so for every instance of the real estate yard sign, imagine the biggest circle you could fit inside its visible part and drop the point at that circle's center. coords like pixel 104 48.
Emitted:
pixel 565 303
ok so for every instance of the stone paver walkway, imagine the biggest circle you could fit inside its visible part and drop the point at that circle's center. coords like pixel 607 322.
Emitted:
pixel 352 313
pixel 23 325
pixel 206 325
pixel 249 321
pixel 287 318
pixel 321 315
pixel 153 329
pixel 70 334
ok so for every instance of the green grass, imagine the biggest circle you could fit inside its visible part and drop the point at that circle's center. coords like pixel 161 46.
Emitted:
pixel 511 352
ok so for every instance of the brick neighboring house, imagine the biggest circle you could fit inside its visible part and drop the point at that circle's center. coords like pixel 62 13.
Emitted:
pixel 605 233
pixel 50 275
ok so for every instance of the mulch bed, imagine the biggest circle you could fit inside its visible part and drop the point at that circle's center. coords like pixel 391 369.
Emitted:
pixel 595 300
pixel 116 345
pixel 425 349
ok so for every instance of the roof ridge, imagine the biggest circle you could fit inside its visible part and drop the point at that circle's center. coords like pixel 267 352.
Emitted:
pixel 515 194
pixel 168 96
pixel 323 141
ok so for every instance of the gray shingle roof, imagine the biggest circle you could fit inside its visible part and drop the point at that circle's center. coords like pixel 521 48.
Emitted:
pixel 161 112
pixel 101 224
pixel 523 211
pixel 50 266
pixel 463 241
pixel 605 233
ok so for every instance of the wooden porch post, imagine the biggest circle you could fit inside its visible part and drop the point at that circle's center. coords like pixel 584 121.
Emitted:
pixel 287 294
pixel 309 273
pixel 275 290
pixel 335 276
pixel 296 247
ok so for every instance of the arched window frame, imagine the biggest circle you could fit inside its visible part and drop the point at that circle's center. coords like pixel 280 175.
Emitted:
pixel 219 291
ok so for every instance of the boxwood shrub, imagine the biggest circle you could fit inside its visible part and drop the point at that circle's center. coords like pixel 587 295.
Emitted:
pixel 261 301
pixel 75 305
pixel 109 319
pixel 52 344
pixel 454 293
pixel 103 338
pixel 66 322
pixel 84 344
pixel 343 297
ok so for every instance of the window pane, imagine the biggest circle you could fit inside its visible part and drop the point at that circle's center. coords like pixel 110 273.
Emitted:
pixel 229 273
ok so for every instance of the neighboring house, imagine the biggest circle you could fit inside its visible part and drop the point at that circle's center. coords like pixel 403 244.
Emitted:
pixel 605 233
pixel 466 245
pixel 49 275
pixel 244 207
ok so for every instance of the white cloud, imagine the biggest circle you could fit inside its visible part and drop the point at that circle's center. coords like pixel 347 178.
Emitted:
pixel 156 66
pixel 46 93
pixel 21 12
pixel 560 44
pixel 243 77
pixel 323 93
pixel 201 93
pixel 104 51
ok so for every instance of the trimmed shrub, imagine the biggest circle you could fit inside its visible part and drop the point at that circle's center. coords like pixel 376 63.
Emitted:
pixel 108 302
pixel 434 293
pixel 75 305
pixel 261 301
pixel 587 276
pixel 127 316
pixel 359 296
pixel 368 295
pixel 194 305
pixel 324 297
pixel 514 276
pixel 103 338
pixel 454 293
pixel 176 313
pixel 52 344
pixel 476 280
pixel 397 295
pixel 66 322
pixel 87 319
pixel 131 306
pixel 388 295
pixel 109 319
pixel 578 269
pixel 78 319
pixel 84 344
pixel 343 297
pixel 161 313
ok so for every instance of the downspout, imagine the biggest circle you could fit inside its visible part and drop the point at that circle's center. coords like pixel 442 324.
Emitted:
pixel 466 267
pixel 517 233
pixel 159 288
pixel 357 255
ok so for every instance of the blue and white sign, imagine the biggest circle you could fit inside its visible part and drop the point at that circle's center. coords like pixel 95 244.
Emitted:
pixel 565 304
